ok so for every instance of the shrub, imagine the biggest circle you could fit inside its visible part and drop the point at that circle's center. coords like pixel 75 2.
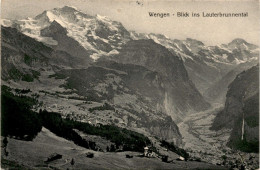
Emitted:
pixel 27 77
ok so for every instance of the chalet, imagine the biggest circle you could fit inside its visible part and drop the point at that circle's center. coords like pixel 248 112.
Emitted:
pixel 148 152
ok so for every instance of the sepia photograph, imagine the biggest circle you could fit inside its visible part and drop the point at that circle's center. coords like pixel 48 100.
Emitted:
pixel 130 84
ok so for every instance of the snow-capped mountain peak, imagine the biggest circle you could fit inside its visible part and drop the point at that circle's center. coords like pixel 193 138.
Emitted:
pixel 97 34
pixel 239 43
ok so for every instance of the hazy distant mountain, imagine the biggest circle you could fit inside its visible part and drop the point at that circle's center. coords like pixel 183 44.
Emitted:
pixel 216 93
pixel 206 65
pixel 242 103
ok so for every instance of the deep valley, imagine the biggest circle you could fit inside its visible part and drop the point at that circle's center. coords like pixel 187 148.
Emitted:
pixel 83 92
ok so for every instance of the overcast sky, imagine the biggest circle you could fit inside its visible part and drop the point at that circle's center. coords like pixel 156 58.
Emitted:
pixel 134 16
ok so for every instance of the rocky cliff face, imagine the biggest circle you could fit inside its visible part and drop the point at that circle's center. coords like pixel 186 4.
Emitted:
pixel 180 95
pixel 241 111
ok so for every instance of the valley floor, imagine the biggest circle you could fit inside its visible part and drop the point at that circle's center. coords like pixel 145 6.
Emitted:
pixel 210 145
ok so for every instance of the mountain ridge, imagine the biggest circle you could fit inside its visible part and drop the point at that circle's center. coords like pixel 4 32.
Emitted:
pixel 205 64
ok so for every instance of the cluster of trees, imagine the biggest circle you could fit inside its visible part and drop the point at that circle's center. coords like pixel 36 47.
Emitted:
pixel 129 140
pixel 61 127
pixel 17 117
pixel 22 91
pixel 16 74
pixel 245 145
pixel 27 77
pixel 175 149
pixel 106 106
pixel 28 59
